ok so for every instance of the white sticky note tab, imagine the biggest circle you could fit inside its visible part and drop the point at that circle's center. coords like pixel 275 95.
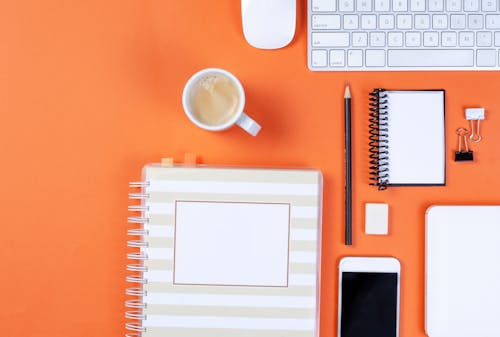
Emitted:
pixel 377 219
pixel 474 114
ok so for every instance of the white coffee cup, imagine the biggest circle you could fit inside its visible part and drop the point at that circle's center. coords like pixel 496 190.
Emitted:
pixel 235 114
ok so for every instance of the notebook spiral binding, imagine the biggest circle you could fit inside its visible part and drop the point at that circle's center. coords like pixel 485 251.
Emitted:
pixel 379 154
pixel 135 307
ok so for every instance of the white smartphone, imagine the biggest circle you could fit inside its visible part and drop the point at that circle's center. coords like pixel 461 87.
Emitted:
pixel 369 297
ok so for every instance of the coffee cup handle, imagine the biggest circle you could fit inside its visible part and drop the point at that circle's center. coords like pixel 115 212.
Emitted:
pixel 248 124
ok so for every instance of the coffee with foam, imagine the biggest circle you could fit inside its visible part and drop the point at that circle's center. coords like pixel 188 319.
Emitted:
pixel 215 100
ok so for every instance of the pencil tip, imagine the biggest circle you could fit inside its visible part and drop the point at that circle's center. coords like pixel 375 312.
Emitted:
pixel 347 90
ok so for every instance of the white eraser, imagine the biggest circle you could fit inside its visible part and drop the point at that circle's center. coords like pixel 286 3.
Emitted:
pixel 377 219
pixel 474 114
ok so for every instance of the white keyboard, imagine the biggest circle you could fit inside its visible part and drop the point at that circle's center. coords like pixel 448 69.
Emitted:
pixel 403 35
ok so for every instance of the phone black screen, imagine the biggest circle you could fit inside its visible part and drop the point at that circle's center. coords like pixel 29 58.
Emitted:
pixel 369 304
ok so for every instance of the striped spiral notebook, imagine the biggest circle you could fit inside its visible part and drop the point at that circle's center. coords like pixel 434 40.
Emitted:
pixel 224 252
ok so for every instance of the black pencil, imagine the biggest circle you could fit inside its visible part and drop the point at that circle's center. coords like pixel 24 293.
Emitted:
pixel 348 167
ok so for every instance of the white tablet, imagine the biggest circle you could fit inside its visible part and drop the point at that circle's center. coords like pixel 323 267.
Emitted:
pixel 462 271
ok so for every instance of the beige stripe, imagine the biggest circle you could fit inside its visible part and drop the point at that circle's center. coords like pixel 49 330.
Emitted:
pixel 161 219
pixel 295 268
pixel 204 332
pixel 156 242
pixel 161 287
pixel 178 310
pixel 299 223
pixel 233 174
pixel 159 264
pixel 303 245
pixel 296 200
pixel 304 223
pixel 302 268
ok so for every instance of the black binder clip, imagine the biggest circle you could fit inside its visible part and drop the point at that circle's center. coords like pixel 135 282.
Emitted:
pixel 462 155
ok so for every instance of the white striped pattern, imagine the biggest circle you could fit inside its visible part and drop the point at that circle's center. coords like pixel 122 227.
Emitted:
pixel 215 187
pixel 303 257
pixel 307 212
pixel 251 301
pixel 160 231
pixel 295 233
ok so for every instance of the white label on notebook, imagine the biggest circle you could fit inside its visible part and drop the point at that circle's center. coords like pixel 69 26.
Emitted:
pixel 229 243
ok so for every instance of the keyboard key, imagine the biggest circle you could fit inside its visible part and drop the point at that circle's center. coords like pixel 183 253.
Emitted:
pixel 399 5
pixel 395 39
pixel 417 5
pixel 497 39
pixel 466 39
pixel 449 39
pixel 471 5
pixel 375 58
pixel 484 39
pixel 436 5
pixel 422 21
pixel 430 58
pixel 368 21
pixel 382 5
pixel 413 39
pixel 492 21
pixel 351 21
pixel 346 5
pixel 453 5
pixel 486 58
pixel 377 39
pixel 323 5
pixel 404 21
pixel 360 39
pixel 330 39
pixel 355 58
pixel 457 21
pixel 431 39
pixel 489 5
pixel 337 58
pixel 326 21
pixel 439 21
pixel 318 58
pixel 386 21
pixel 475 21
pixel 364 5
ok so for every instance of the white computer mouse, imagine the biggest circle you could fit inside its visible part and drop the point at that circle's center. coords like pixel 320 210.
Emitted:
pixel 268 24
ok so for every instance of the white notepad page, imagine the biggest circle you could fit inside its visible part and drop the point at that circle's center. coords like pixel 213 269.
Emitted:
pixel 416 137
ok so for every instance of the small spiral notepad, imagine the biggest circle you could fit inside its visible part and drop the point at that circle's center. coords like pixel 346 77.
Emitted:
pixel 223 252
pixel 407 139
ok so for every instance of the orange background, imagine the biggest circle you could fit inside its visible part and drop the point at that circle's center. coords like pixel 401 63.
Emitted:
pixel 91 90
